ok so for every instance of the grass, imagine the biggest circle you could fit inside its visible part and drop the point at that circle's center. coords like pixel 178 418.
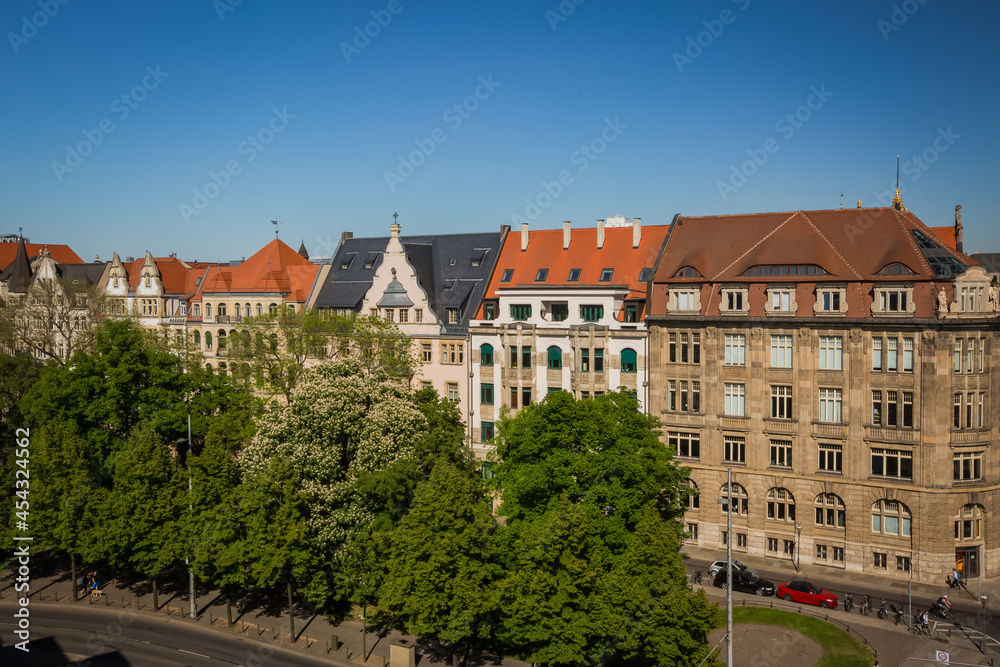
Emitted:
pixel 840 649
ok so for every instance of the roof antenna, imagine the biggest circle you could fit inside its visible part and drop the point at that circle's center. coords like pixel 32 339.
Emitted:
pixel 841 197
pixel 897 201
pixel 275 223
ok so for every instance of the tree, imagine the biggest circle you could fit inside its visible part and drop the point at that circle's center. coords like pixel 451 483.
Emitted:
pixel 340 425
pixel 593 503
pixel 443 563
pixel 17 374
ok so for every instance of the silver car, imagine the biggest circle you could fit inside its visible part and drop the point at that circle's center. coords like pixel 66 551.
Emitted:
pixel 716 565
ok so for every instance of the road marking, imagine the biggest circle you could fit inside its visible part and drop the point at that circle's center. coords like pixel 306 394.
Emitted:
pixel 202 655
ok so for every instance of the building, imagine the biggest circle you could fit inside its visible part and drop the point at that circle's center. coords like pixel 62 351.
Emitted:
pixel 845 365
pixel 429 286
pixel 564 310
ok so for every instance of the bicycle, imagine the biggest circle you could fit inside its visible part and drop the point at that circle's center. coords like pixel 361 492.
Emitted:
pixel 883 611
pixel 918 628
pixel 866 607
pixel 696 578
pixel 848 602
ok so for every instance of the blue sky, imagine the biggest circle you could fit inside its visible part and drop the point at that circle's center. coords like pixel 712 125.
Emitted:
pixel 236 113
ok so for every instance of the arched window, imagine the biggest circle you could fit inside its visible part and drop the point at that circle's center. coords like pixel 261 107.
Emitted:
pixel 891 517
pixel 830 511
pixel 208 310
pixel 260 309
pixel 628 360
pixel 222 369
pixel 222 310
pixel 273 308
pixel 741 502
pixel 208 367
pixel 222 339
pixel 969 522
pixel 208 340
pixel 197 338
pixel 485 354
pixel 247 311
pixel 780 505
pixel 555 358
pixel 693 501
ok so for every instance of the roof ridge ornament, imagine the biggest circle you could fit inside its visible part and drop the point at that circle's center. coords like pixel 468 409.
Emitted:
pixel 897 201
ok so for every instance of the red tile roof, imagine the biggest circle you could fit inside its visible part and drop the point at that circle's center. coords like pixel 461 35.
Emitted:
pixel 175 275
pixel 267 271
pixel 946 234
pixel 61 254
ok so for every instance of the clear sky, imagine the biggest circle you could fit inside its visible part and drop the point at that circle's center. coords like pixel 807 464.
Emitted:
pixel 187 126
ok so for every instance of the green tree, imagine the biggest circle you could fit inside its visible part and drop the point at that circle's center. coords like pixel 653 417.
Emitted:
pixel 17 374
pixel 443 563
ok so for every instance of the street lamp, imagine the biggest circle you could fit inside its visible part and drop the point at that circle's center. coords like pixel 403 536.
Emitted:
pixel 727 503
pixel 982 639
pixel 798 547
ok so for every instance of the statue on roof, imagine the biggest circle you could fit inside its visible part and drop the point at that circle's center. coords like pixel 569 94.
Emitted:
pixel 942 302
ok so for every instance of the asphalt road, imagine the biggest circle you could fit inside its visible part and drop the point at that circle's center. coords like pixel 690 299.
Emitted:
pixel 967 611
pixel 70 636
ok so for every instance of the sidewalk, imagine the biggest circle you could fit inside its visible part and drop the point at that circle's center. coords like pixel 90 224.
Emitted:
pixel 314 632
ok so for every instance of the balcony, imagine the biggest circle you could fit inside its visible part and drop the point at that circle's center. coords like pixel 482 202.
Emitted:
pixel 970 437
pixel 783 426
pixel 908 436
pixel 734 423
pixel 823 430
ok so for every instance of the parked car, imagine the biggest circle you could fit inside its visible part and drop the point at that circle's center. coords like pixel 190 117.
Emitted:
pixel 803 591
pixel 746 581
pixel 716 565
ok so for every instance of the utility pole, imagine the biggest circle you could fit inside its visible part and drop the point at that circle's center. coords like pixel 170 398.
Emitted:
pixel 194 604
pixel 729 570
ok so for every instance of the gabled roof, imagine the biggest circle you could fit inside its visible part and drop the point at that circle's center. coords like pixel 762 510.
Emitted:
pixel 61 254
pixel 989 260
pixel 848 244
pixel 545 251
pixel 267 271
pixel 18 278
pixel 174 274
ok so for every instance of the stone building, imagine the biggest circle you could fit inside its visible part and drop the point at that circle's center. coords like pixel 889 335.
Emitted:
pixel 845 365
pixel 564 310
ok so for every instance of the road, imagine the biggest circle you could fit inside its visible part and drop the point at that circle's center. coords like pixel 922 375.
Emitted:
pixel 968 612
pixel 62 635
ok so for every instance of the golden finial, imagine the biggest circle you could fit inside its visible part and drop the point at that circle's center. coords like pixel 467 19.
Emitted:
pixel 859 203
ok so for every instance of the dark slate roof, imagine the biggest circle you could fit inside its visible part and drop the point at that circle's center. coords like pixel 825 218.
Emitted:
pixel 18 274
pixel 87 273
pixel 448 285
pixel 989 260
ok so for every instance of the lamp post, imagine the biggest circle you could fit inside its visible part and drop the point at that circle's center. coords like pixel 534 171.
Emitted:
pixel 728 504
pixel 982 639
pixel 798 547
pixel 187 560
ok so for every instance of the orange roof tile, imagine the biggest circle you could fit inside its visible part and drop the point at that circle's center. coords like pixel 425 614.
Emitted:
pixel 947 235
pixel 61 254
pixel 301 279
pixel 266 271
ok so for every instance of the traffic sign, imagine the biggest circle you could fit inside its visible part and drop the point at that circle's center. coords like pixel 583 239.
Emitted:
pixel 942 657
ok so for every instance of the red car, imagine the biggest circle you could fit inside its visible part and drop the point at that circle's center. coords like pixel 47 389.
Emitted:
pixel 803 591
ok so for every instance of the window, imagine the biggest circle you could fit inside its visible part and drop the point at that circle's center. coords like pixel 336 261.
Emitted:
pixel 272 308
pixel 735 399
pixel 520 311
pixel 574 276
pixel 485 354
pixel 584 361
pixel 831 457
pixel 486 393
pixel 772 545
pixel 489 311
pixel 781 351
pixel 560 311
pixel 828 301
pixel 908 355
pixel 606 275
pixel 969 522
pixel 735 450
pixel 820 552
pixel 895 410
pixel 879 560
pixel 780 505
pixel 693 501
pixel 222 310
pixel 197 310
pixel 598 359
pixel 684 348
pixel 591 313
pixel 631 312
pixel 260 309
pixel 890 517
pixel 892 355
pixel 208 310
pixel 507 275
pixel 645 274
pixel 554 358
pixel 526 357
pixel 830 405
pixel 486 432
pixel 452 316
pixel 892 300
pixel 789 547
pixel 526 396
pixel 781 453
pixel 838 554
pixel 780 300
pixel 418 314
pixel 692 529
pixel 453 391
pixel 876 354
pixel 968 411
pixel 734 300
pixel 736 347
pixel 404 315
pixel 684 299
pixel 781 402
pixel 197 338
pixel 513 397
pixel 452 353
pixel 830 512
pixel 425 352
pixel 968 466
pixel 973 358
pixel 876 407
pixel 628 361
pixel 687 445
pixel 831 353
pixel 682 399
pixel 208 340
pixel 902 564
pixel 892 463
pixel 541 275
pixel 741 502
pixel 389 315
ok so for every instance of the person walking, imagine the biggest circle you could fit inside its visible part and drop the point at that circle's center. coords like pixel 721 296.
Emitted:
pixel 956 579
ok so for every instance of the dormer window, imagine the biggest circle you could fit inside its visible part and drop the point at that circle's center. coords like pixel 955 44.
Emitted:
pixel 645 275
pixel 735 300
pixel 507 275
pixel 897 269
pixel 831 301
pixel 894 300
pixel 685 299
pixel 606 275
pixel 688 272
pixel 149 281
pixel 574 276
pixel 780 301
pixel 541 275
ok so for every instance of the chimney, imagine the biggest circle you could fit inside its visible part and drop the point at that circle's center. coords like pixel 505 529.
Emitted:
pixel 636 232
pixel 566 234
pixel 524 236
pixel 346 235
pixel 600 234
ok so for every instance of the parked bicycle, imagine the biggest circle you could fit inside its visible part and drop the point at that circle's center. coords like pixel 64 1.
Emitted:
pixel 696 578
pixel 848 602
pixel 866 606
